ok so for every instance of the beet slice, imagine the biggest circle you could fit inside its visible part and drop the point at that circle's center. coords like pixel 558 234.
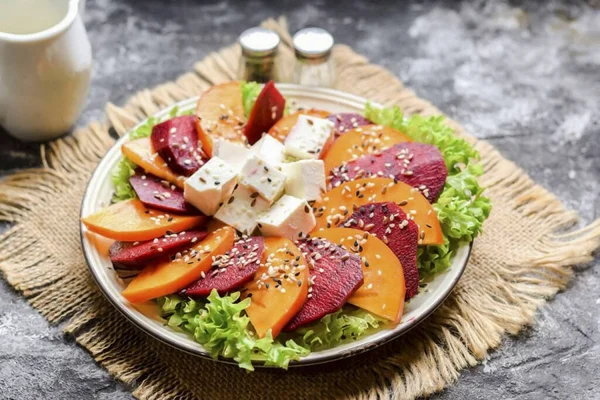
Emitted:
pixel 390 224
pixel 345 122
pixel 160 194
pixel 176 141
pixel 138 254
pixel 232 270
pixel 267 110
pixel 416 164
pixel 335 274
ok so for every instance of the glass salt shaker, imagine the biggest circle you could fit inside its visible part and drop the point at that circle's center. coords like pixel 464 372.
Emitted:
pixel 259 52
pixel 314 66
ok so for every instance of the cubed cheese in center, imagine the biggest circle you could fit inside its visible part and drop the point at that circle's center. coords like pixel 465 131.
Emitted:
pixel 309 137
pixel 234 154
pixel 270 149
pixel 289 217
pixel 263 177
pixel 210 185
pixel 242 209
pixel 305 179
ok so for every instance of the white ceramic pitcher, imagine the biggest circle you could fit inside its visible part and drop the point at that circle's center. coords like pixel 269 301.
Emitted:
pixel 45 67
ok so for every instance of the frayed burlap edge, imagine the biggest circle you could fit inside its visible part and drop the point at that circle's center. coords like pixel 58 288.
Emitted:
pixel 46 265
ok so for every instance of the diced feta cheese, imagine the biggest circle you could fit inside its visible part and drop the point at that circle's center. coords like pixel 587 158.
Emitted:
pixel 234 154
pixel 305 179
pixel 242 209
pixel 270 149
pixel 210 185
pixel 308 137
pixel 288 217
pixel 267 180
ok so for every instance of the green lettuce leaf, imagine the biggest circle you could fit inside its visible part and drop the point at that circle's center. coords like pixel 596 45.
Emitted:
pixel 250 91
pixel 344 325
pixel 222 327
pixel 461 207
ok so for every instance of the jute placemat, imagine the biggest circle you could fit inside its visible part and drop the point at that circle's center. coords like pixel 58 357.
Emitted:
pixel 518 263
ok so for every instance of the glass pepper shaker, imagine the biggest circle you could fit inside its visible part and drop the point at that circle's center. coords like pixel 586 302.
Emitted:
pixel 314 66
pixel 259 51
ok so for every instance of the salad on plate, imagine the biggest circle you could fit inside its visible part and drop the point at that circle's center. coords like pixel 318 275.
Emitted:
pixel 267 231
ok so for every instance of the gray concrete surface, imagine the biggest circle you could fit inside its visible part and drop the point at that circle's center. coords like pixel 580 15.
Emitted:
pixel 526 76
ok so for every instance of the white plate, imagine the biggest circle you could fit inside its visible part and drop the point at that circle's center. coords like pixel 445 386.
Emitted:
pixel 99 192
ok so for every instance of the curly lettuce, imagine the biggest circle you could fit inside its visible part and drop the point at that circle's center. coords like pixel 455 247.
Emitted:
pixel 222 327
pixel 461 207
pixel 346 324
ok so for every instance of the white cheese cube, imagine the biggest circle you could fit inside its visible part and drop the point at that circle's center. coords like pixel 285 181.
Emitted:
pixel 270 149
pixel 288 217
pixel 267 180
pixel 242 209
pixel 212 184
pixel 234 154
pixel 308 137
pixel 305 179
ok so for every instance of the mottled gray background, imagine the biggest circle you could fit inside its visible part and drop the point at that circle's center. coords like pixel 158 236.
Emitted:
pixel 525 76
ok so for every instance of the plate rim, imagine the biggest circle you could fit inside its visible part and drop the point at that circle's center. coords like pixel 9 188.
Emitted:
pixel 296 363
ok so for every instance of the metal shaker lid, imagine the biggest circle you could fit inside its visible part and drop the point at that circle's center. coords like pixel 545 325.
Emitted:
pixel 313 43
pixel 259 42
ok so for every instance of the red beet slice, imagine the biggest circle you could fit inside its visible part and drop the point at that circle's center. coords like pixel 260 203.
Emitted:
pixel 138 254
pixel 417 164
pixel 345 122
pixel 232 270
pixel 335 274
pixel 267 110
pixel 160 194
pixel 390 224
pixel 176 141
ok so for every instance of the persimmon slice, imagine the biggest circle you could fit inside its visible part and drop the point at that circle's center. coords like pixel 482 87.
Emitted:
pixel 281 129
pixel 131 221
pixel 383 290
pixel 220 114
pixel 280 287
pixel 340 202
pixel 140 152
pixel 169 276
pixel 361 141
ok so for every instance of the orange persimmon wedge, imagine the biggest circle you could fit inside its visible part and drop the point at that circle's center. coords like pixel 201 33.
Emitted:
pixel 340 202
pixel 169 276
pixel 131 221
pixel 140 152
pixel 276 299
pixel 220 114
pixel 281 129
pixel 361 141
pixel 383 290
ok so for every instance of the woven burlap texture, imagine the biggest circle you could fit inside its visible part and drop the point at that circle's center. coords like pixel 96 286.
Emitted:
pixel 518 263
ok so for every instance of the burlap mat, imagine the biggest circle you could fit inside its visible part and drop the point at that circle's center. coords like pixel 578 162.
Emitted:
pixel 516 264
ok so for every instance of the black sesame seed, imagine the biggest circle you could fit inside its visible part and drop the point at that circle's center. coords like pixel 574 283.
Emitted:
pixel 230 200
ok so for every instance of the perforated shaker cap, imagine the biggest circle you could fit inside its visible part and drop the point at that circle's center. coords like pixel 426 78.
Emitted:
pixel 313 43
pixel 259 42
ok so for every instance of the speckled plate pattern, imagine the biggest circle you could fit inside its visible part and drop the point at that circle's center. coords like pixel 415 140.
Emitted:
pixel 145 316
